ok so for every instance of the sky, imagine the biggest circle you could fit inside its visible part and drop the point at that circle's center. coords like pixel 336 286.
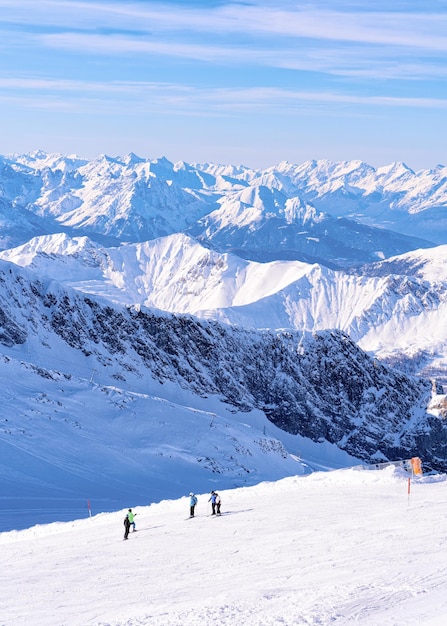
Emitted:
pixel 339 548
pixel 253 82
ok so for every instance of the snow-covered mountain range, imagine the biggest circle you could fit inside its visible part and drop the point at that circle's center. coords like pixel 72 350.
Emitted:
pixel 332 213
pixel 216 322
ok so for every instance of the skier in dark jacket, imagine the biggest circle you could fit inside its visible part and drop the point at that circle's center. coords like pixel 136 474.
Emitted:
pixel 126 526
pixel 218 503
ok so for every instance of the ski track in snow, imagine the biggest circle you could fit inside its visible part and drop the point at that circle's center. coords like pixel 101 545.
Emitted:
pixel 345 547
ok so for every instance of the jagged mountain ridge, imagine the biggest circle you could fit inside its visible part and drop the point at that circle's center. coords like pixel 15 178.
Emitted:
pixel 394 309
pixel 173 273
pixel 264 215
pixel 320 386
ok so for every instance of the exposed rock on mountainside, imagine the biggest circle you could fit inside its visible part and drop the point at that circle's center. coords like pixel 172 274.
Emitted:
pixel 394 309
pixel 320 386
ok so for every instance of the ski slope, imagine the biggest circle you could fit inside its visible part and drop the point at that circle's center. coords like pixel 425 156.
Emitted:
pixel 330 548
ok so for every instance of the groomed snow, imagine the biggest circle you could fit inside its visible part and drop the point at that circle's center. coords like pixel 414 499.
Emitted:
pixel 342 547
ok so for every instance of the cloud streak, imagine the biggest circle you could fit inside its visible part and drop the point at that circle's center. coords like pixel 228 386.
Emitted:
pixel 366 62
pixel 417 29
pixel 362 44
pixel 184 97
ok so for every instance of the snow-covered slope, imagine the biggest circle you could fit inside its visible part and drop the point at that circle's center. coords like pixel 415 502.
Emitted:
pixel 66 438
pixel 172 273
pixel 336 548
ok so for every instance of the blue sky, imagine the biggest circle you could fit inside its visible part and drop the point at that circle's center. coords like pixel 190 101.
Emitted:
pixel 252 82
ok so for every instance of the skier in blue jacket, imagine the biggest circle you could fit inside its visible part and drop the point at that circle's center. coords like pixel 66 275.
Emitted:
pixel 213 502
pixel 192 504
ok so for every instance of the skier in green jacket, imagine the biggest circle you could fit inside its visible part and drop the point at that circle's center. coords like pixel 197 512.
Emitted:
pixel 131 517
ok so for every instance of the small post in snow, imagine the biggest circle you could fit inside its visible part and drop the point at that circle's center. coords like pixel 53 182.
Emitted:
pixel 409 488
pixel 89 509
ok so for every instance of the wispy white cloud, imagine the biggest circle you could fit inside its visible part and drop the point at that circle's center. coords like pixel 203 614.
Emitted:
pixel 188 99
pixel 288 97
pixel 343 42
pixel 367 62
pixel 412 29
pixel 118 45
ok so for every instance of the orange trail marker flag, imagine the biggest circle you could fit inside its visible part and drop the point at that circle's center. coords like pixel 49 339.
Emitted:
pixel 416 466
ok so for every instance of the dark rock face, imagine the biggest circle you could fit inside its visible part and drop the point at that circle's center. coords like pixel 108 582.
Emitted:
pixel 321 386
pixel 10 333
